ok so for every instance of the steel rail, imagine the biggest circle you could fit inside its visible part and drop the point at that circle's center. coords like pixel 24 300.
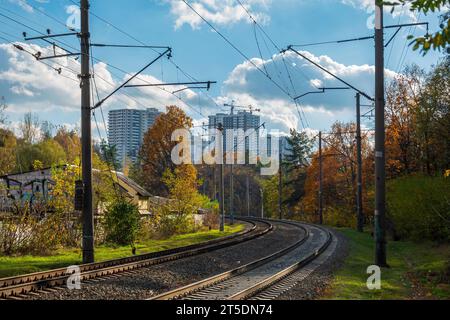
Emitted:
pixel 179 293
pixel 20 285
pixel 268 282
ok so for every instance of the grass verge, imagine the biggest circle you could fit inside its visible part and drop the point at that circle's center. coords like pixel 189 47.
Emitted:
pixel 12 266
pixel 417 270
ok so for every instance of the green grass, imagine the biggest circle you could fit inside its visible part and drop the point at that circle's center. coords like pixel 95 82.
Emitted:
pixel 414 267
pixel 11 266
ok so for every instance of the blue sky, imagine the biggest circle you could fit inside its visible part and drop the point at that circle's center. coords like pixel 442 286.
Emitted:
pixel 30 86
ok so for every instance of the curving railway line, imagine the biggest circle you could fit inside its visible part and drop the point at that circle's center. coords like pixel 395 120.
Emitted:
pixel 274 273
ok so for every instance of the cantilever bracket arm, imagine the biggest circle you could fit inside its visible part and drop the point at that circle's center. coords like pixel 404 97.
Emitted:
pixel 189 85
pixel 207 84
pixel 329 72
pixel 98 104
pixel 400 26
pixel 49 36
pixel 307 93
pixel 321 90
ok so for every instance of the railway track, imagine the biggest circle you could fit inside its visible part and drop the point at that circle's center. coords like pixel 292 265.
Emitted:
pixel 256 277
pixel 289 280
pixel 19 287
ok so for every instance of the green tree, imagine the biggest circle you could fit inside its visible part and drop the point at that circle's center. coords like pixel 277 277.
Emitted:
pixel 122 223
pixel 108 154
pixel 299 148
pixel 48 152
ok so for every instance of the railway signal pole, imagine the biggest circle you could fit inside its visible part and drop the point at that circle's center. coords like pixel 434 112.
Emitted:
pixel 359 206
pixel 380 175
pixel 86 162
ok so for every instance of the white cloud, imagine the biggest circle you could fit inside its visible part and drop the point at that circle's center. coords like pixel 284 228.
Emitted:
pixel 218 12
pixel 28 81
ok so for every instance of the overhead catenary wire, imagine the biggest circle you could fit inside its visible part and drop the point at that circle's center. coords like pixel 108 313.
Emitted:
pixel 302 115
pixel 236 48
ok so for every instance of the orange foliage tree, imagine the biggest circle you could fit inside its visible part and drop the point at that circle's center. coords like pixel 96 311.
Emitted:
pixel 157 147
pixel 339 177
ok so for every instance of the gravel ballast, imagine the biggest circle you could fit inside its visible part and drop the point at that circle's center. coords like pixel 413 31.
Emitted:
pixel 147 282
pixel 314 286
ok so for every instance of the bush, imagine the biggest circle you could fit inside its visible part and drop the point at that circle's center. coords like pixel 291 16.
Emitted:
pixel 30 235
pixel 419 207
pixel 339 217
pixel 122 223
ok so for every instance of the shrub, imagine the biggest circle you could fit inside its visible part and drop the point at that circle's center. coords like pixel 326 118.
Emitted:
pixel 30 235
pixel 419 207
pixel 339 217
pixel 122 223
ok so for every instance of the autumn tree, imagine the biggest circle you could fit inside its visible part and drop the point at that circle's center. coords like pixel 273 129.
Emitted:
pixel 339 177
pixel 185 200
pixel 157 147
pixel 70 141
pixel 402 103
pixel 433 119
pixel 8 144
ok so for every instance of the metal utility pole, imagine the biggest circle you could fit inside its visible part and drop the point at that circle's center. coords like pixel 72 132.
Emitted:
pixel 221 181
pixel 86 164
pixel 262 203
pixel 214 170
pixel 248 196
pixel 380 175
pixel 232 192
pixel 320 180
pixel 280 186
pixel 359 205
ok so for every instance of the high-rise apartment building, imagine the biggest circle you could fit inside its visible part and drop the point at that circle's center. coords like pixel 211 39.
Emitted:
pixel 242 120
pixel 126 130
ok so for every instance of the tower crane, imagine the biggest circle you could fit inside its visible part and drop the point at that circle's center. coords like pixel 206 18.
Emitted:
pixel 249 108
